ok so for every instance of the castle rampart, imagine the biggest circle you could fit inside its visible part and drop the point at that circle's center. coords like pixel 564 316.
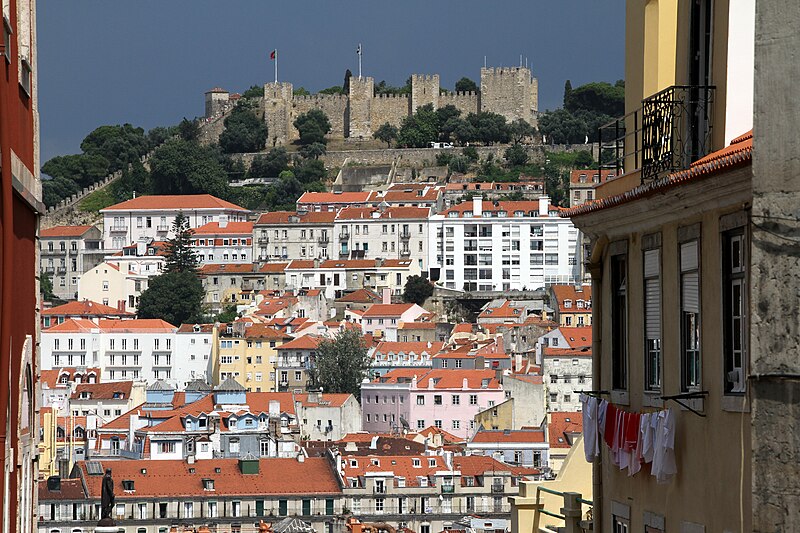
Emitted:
pixel 509 91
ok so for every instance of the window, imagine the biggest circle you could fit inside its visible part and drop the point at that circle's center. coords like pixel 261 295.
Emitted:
pixel 420 424
pixel 437 424
pixel 619 321
pixel 437 399
pixel 456 424
pixel 553 378
pixel 734 305
pixel 420 399
pixel 456 399
pixel 690 315
pixel 652 319
pixel 473 399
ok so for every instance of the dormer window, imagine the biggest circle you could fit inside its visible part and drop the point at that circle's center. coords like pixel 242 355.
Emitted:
pixel 208 484
pixel 582 178
pixel 376 462
pixel 431 462
pixel 127 485
pixel 567 303
pixel 85 395
pixel 353 463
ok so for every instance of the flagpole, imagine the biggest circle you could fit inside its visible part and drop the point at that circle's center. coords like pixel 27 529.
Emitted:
pixel 359 60
pixel 276 65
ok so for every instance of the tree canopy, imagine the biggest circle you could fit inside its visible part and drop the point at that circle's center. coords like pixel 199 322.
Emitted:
pixel 586 109
pixel 176 297
pixel 466 85
pixel 244 131
pixel 341 363
pixel 269 165
pixel 179 254
pixel 417 290
pixel 181 167
pixel 386 133
pixel 312 126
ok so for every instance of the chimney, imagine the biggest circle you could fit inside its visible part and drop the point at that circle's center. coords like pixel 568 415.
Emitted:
pixel 274 408
pixel 477 205
pixel 378 262
pixel 544 206
pixel 386 297
pixel 316 263
pixel 223 221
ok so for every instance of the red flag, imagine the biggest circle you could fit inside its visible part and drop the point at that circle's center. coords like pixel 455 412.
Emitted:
pixel 272 55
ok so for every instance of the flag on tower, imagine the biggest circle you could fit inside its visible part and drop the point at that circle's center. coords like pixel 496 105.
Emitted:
pixel 273 54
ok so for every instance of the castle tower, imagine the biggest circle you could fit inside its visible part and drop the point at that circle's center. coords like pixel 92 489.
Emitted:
pixel 359 107
pixel 424 90
pixel 217 100
pixel 511 92
pixel 278 112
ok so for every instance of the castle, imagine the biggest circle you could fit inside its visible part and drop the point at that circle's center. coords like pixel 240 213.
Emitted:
pixel 509 91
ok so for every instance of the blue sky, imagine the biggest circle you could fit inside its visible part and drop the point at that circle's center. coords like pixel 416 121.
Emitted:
pixel 148 62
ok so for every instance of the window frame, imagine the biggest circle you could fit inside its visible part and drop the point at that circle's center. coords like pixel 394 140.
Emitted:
pixel 620 353
pixel 734 226
pixel 686 237
pixel 653 383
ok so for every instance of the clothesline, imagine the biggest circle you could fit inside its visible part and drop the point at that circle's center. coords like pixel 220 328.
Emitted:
pixel 634 439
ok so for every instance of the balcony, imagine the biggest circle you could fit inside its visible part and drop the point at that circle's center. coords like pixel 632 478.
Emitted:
pixel 405 234
pixel 162 228
pixel 668 133
pixel 343 236
pixel 62 270
pixel 323 241
pixel 118 228
pixel 405 253
pixel 448 489
pixel 263 240
pixel 498 488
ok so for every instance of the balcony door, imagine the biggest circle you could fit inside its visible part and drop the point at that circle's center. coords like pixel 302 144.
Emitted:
pixel 700 49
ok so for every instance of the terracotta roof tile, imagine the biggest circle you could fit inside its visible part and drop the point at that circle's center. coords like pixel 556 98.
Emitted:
pixel 175 202
pixel 519 436
pixel 562 424
pixel 589 176
pixel 561 293
pixel 64 231
pixel 333 197
pixel 391 310
pixel 306 342
pixel 84 308
pixel 231 228
pixel 104 391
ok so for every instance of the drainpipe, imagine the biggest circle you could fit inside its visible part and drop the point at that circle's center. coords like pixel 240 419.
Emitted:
pixel 595 266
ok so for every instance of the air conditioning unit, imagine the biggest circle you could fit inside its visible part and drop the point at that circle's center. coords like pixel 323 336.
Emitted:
pixel 735 378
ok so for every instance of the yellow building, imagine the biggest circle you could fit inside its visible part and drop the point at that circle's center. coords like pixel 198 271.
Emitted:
pixel 62 442
pixel 246 351
pixel 670 265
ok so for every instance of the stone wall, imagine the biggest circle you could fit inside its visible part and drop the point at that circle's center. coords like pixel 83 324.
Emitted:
pixel 510 92
pixel 362 93
pixel 333 105
pixel 278 112
pixel 391 108
pixel 424 91
pixel 465 102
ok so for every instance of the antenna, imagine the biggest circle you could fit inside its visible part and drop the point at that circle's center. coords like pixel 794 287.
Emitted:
pixel 484 61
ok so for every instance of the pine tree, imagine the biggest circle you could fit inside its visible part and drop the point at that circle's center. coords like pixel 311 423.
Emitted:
pixel 567 91
pixel 180 256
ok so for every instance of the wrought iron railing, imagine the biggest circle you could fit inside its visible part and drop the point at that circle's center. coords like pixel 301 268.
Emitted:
pixel 669 132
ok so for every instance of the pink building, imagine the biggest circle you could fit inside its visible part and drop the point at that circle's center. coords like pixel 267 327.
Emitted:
pixel 444 398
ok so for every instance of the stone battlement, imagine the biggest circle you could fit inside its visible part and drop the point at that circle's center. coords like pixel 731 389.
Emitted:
pixel 318 96
pixel 389 96
pixel 501 71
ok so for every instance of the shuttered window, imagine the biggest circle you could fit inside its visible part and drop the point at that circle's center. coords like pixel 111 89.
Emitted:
pixel 652 319
pixel 690 315
pixel 734 308
pixel 619 322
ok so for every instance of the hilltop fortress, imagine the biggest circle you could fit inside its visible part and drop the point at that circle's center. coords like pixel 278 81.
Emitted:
pixel 509 91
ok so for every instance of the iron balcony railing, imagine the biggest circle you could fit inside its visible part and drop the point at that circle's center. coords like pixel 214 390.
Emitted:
pixel 669 132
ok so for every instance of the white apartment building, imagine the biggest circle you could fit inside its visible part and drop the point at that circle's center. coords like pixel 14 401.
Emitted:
pixel 566 371
pixel 387 232
pixel 289 235
pixel 336 278
pixel 151 217
pixel 500 246
pixel 65 253
pixel 224 242
pixel 143 349
pixel 113 283
pixel 195 342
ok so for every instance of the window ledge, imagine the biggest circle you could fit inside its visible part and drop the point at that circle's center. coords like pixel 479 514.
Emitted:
pixel 620 397
pixel 652 399
pixel 735 403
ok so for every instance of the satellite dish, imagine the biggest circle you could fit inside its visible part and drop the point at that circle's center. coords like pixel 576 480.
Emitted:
pixel 404 422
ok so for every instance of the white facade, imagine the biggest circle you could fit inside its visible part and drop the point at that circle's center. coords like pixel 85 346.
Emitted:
pixel 389 232
pixel 564 373
pixel 289 235
pixel 126 350
pixel 151 217
pixel 502 246
pixel 224 242
pixel 112 283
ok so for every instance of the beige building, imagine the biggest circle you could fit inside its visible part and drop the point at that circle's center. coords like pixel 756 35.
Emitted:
pixel 66 252
pixel 289 235
pixel 112 283
pixel 671 268
pixel 247 353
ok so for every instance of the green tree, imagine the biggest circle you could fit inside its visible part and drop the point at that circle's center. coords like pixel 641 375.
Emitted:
pixel 301 91
pixel 313 126
pixel 597 97
pixel 490 127
pixel 346 84
pixel 254 92
pixel 341 363
pixel 471 153
pixel 465 85
pixel 269 165
pixel 189 130
pixel 417 290
pixel 46 287
pixel 176 297
pixel 56 189
pixel 181 167
pixel 335 89
pixel 463 131
pixel 228 315
pixel 83 169
pixel 419 129
pixel 459 163
pixel 516 155
pixel 179 256
pixel 313 150
pixel 244 131
pixel 386 133
pixel 567 91
pixel 158 135
pixel 562 127
pixel 520 129
pixel 134 179
pixel 309 170
pixel 119 145
pixel 584 159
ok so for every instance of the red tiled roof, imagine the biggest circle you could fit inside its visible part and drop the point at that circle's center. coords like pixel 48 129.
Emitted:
pixel 189 328
pixel 273 267
pixel 577 337
pixel 326 400
pixel 360 296
pixel 306 342
pixel 104 391
pixel 141 325
pixel 409 347
pixel 529 208
pixel 739 152
pixel 589 175
pixel 71 489
pixel 50 377
pixel 392 310
pixel 417 325
pixel 175 202
pixel 84 308
pixel 226 268
pixel 275 217
pixel 568 292
pixel 399 465
pixel 231 228
pixel 64 231
pixel 562 423
pixel 446 436
pixel 394 213
pixel 504 311
pixel 173 478
pixel 585 351
pixel 521 436
pixel 333 197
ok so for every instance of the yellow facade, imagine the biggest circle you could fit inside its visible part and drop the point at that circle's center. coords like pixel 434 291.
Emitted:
pixel 57 447
pixel 248 355
pixel 501 416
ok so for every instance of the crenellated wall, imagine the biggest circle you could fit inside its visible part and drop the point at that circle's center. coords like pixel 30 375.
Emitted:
pixel 391 108
pixel 511 92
